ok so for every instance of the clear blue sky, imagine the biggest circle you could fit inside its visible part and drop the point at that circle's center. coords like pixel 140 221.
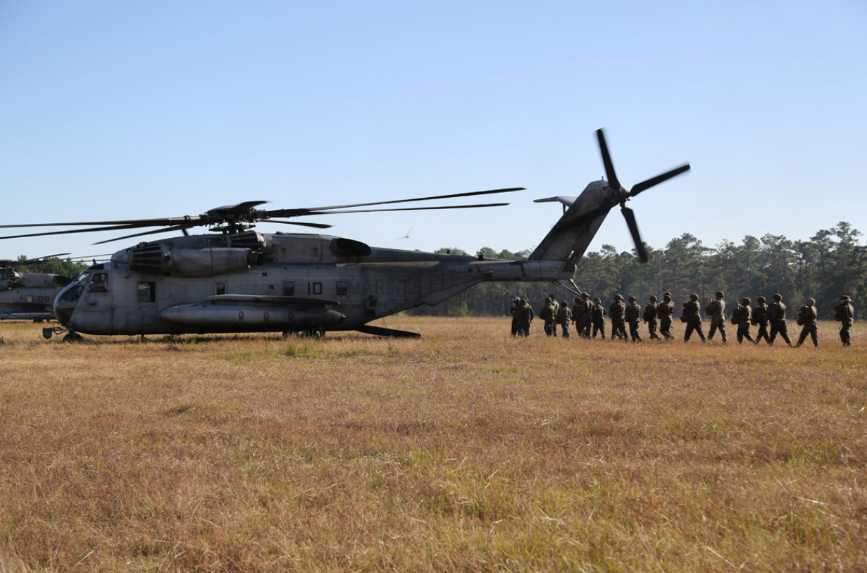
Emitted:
pixel 141 109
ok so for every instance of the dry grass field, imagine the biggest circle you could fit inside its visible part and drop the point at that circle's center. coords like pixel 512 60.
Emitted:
pixel 464 450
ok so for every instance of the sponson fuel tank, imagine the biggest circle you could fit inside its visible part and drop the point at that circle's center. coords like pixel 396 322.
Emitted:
pixel 163 259
pixel 250 317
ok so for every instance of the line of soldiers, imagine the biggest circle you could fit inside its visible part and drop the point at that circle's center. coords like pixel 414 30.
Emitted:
pixel 589 318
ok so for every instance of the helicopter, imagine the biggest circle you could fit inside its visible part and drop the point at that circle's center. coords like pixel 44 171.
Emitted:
pixel 235 279
pixel 29 296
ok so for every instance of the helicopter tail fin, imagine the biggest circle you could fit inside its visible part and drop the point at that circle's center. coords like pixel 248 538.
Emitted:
pixel 571 235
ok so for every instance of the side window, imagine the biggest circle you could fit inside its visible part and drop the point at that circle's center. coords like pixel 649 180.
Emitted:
pixel 317 288
pixel 288 288
pixel 98 283
pixel 220 288
pixel 342 289
pixel 146 292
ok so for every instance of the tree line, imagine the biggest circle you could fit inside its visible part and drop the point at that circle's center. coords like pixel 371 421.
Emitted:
pixel 828 265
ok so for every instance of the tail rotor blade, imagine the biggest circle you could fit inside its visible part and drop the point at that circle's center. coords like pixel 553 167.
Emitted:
pixel 606 159
pixel 629 215
pixel 645 185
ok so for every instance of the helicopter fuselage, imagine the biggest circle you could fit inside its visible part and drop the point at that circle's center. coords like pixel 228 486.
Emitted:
pixel 253 282
pixel 28 296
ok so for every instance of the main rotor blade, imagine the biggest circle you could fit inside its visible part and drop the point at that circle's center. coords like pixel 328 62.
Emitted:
pixel 72 231
pixel 606 159
pixel 299 223
pixel 409 209
pixel 645 185
pixel 40 259
pixel 132 223
pixel 629 215
pixel 165 230
pixel 297 212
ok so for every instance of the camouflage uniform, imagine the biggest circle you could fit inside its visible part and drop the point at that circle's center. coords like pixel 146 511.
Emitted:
pixel 633 317
pixel 692 312
pixel 807 318
pixel 650 318
pixel 583 315
pixel 777 319
pixel 741 317
pixel 716 310
pixel 512 310
pixel 564 317
pixel 665 311
pixel 598 317
pixel 844 313
pixel 524 314
pixel 548 314
pixel 617 312
pixel 760 318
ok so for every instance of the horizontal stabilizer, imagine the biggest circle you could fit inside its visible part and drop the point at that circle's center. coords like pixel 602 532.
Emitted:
pixel 270 300
pixel 566 200
pixel 390 332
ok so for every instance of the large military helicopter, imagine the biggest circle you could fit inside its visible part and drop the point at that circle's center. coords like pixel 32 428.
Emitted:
pixel 236 279
pixel 29 296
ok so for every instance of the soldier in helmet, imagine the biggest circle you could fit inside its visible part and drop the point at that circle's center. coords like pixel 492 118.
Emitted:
pixel 617 312
pixel 583 320
pixel 807 318
pixel 633 317
pixel 692 313
pixel 598 317
pixel 548 314
pixel 741 318
pixel 512 309
pixel 665 312
pixel 760 318
pixel 650 318
pixel 716 310
pixel 524 314
pixel 844 313
pixel 777 320
pixel 564 317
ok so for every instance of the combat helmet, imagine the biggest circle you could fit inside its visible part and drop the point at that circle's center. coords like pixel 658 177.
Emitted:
pixel 720 294
pixel 632 299
pixel 761 300
pixel 618 297
pixel 597 300
pixel 845 298
pixel 652 298
pixel 666 296
pixel 584 295
pixel 693 296
pixel 811 301
pixel 778 297
pixel 746 301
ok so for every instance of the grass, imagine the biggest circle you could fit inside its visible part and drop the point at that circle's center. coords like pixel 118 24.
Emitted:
pixel 464 450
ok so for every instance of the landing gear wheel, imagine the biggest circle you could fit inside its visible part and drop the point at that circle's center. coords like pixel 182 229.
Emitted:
pixel 73 337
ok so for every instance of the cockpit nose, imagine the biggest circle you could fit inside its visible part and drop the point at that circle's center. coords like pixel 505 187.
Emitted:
pixel 67 298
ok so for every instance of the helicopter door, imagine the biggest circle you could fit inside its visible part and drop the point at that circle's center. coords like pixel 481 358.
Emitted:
pixel 145 305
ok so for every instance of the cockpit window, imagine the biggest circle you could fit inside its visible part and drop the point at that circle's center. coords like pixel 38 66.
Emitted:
pixel 99 283
pixel 71 293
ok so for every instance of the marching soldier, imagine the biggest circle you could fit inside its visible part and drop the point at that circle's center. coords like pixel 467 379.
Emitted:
pixel 585 321
pixel 760 318
pixel 665 311
pixel 845 314
pixel 650 319
pixel 777 320
pixel 548 314
pixel 524 314
pixel 716 310
pixel 807 319
pixel 741 317
pixel 692 312
pixel 633 316
pixel 598 318
pixel 564 317
pixel 617 312
pixel 512 311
